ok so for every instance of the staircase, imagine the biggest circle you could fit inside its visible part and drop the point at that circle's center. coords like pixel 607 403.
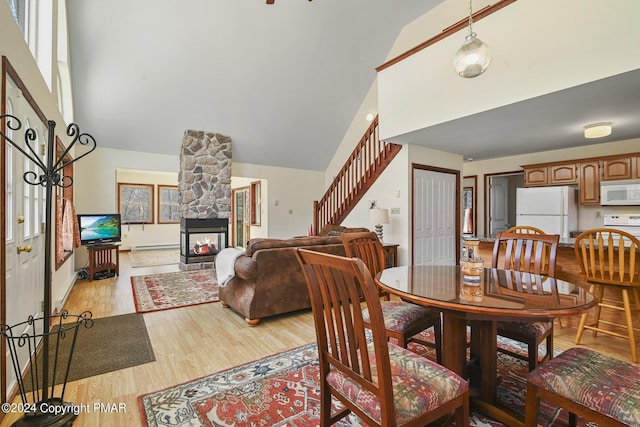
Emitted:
pixel 365 164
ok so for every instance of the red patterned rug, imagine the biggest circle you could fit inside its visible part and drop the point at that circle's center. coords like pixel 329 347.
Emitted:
pixel 282 390
pixel 153 292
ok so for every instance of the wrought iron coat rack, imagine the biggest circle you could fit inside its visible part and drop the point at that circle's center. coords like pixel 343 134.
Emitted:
pixel 51 175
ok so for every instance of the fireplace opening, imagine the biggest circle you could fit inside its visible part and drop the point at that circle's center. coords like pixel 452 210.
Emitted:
pixel 202 239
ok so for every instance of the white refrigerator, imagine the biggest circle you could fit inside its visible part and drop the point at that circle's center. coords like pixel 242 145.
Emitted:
pixel 554 210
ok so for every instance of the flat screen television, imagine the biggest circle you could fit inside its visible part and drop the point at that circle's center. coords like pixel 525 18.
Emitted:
pixel 99 229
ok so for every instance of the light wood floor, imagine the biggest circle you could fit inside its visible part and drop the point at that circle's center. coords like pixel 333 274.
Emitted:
pixel 196 341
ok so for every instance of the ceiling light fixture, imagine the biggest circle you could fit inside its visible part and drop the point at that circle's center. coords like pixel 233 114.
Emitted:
pixel 597 130
pixel 474 56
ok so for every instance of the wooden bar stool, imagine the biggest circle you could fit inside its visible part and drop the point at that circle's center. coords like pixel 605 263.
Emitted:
pixel 609 260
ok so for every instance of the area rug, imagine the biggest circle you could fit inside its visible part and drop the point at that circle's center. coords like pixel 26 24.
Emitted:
pixel 283 390
pixel 149 258
pixel 123 338
pixel 153 292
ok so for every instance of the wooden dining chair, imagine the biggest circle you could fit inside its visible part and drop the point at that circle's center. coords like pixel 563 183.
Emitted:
pixel 525 229
pixel 532 253
pixel 529 229
pixel 380 382
pixel 403 320
pixel 610 262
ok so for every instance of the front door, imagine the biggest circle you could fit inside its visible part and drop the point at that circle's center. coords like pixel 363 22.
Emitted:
pixel 23 218
pixel 435 218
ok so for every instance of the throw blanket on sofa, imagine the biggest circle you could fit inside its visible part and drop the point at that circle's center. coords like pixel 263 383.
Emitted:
pixel 225 261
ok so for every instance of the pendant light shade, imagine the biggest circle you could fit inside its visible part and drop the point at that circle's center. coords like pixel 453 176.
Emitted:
pixel 473 57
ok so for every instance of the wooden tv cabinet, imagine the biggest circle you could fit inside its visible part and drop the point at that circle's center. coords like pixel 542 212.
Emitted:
pixel 102 258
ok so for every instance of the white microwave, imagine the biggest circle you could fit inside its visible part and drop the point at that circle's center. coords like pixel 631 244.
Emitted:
pixel 620 193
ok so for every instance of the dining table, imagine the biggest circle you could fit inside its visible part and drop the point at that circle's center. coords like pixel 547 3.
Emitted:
pixel 479 301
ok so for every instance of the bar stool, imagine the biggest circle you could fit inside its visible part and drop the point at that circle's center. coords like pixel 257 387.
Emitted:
pixel 609 260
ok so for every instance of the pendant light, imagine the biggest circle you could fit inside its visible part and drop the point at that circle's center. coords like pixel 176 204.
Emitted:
pixel 474 56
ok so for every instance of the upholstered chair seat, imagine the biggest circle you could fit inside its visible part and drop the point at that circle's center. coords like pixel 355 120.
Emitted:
pixel 588 384
pixel 403 318
pixel 419 386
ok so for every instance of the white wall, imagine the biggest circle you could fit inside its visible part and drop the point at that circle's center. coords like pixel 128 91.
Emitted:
pixel 586 214
pixel 544 55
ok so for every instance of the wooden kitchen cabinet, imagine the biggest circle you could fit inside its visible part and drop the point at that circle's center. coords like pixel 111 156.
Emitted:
pixel 619 168
pixel 563 174
pixel 589 185
pixel 536 176
pixel 552 174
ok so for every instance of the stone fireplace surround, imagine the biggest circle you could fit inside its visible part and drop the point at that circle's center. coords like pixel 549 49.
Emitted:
pixel 204 184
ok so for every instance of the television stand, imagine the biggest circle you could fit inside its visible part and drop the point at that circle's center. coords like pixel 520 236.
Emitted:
pixel 101 258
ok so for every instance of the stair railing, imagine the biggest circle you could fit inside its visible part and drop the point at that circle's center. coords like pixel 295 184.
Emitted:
pixel 365 164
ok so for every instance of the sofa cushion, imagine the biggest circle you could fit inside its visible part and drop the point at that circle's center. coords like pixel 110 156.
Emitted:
pixel 255 245
pixel 336 230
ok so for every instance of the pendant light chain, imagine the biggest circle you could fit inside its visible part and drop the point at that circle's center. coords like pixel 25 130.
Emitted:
pixel 470 17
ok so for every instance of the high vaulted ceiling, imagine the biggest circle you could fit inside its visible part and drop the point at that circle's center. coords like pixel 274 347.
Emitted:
pixel 286 80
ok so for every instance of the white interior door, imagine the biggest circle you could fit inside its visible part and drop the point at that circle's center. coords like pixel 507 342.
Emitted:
pixel 498 204
pixel 434 217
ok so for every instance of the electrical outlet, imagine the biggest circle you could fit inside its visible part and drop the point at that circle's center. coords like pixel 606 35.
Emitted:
pixel 598 214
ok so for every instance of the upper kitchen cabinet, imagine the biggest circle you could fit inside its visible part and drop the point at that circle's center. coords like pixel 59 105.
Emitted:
pixel 550 174
pixel 589 185
pixel 621 168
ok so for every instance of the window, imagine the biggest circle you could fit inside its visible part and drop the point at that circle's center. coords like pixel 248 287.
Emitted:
pixel 135 202
pixel 19 11
pixel 168 204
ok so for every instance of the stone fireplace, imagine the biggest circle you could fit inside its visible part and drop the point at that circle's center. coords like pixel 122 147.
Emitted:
pixel 204 184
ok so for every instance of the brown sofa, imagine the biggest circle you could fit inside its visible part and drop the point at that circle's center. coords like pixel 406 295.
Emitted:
pixel 268 280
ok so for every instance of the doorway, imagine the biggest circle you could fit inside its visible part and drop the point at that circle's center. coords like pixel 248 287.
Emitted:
pixel 501 200
pixel 436 213
pixel 240 216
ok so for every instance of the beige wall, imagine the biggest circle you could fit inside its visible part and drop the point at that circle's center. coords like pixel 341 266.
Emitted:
pixel 586 214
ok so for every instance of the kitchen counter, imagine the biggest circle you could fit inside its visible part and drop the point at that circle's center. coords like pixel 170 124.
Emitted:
pixel 563 243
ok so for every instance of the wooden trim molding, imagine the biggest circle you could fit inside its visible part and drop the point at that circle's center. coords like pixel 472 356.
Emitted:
pixel 482 13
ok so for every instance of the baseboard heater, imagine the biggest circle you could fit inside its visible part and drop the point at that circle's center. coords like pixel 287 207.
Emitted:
pixel 154 247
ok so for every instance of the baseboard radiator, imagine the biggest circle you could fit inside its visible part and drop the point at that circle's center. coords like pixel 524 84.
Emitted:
pixel 156 246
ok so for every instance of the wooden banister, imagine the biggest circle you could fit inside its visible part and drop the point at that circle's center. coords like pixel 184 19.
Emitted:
pixel 365 164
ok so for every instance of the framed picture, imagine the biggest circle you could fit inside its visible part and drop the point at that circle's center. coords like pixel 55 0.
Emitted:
pixel 168 204
pixel 135 202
